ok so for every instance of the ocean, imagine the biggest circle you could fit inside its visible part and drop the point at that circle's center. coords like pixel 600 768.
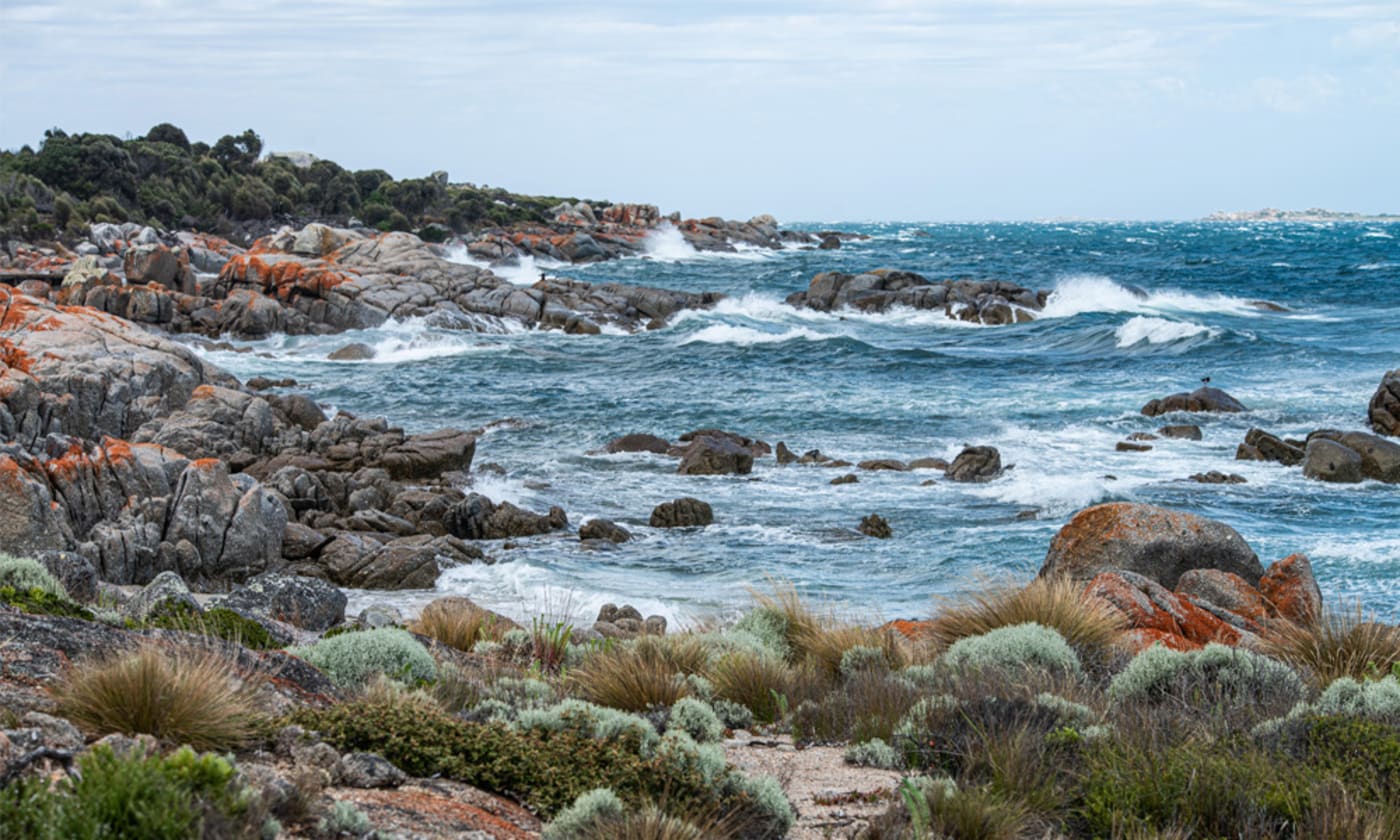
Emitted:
pixel 1137 311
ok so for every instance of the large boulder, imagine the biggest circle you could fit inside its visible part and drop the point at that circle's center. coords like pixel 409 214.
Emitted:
pixel 365 561
pixel 1290 586
pixel 1328 460
pixel 478 518
pixel 1158 543
pixel 638 442
pixel 1154 614
pixel 231 525
pixel 1380 458
pixel 975 464
pixel 304 602
pixel 1204 398
pixel 1259 445
pixel 1384 410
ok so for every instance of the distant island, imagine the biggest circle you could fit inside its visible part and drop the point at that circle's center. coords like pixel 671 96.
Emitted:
pixel 1313 214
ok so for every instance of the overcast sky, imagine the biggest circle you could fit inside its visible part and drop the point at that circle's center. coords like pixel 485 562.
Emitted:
pixel 977 109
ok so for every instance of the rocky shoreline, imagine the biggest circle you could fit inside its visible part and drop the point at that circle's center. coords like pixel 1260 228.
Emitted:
pixel 135 472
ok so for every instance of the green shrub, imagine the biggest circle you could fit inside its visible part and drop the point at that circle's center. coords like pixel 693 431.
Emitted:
pixel 1216 673
pixel 773 814
pixel 588 813
pixel 546 768
pixel 732 715
pixel 697 719
pixel 1363 754
pixel 1373 698
pixel 183 795
pixel 351 659
pixel 343 818
pixel 219 623
pixel 771 628
pixel 37 601
pixel 24 574
pixel 598 722
pixel 874 753
pixel 1015 647
pixel 860 659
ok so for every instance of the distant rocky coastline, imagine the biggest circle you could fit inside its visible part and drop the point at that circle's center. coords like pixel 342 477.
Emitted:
pixel 1315 214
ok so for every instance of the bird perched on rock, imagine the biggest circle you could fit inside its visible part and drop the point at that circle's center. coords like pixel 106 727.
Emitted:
pixel 1205 380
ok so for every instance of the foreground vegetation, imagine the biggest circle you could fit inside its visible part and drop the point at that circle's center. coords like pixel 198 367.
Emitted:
pixel 165 180
pixel 1017 713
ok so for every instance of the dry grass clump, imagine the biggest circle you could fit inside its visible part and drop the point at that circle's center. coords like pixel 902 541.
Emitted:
pixel 820 637
pixel 458 623
pixel 623 677
pixel 683 653
pixel 186 695
pixel 758 681
pixel 1090 626
pixel 1344 643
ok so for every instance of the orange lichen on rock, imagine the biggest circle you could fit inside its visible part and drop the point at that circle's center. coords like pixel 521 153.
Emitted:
pixel 1137 641
pixel 912 630
pixel 1289 584
pixel 70 465
pixel 13 357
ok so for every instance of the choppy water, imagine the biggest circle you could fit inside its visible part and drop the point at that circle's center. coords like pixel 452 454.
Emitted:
pixel 1054 395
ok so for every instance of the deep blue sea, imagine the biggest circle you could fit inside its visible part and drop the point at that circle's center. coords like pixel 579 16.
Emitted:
pixel 1054 395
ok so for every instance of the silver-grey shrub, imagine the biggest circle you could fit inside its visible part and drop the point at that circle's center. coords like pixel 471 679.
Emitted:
pixel 589 811
pixel 25 574
pixel 874 753
pixel 696 719
pixel 1028 645
pixel 1217 671
pixel 351 659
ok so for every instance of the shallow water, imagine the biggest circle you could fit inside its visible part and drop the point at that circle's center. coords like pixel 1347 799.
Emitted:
pixel 1138 311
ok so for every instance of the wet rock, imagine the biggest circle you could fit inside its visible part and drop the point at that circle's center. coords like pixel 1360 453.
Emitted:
pixel 1128 446
pixel 685 512
pixel 879 464
pixel 1142 436
pixel 1383 412
pixel 875 526
pixel 1259 445
pixel 429 455
pixel 368 770
pixel 1328 460
pixel 303 602
pixel 713 455
pixel 262 383
pixel 975 464
pixel 987 302
pixel 829 243
pixel 363 561
pixel 1201 399
pixel 1380 458
pixel 603 529
pixel 1181 432
pixel 848 478
pixel 1290 586
pixel 784 455
pixel 928 464
pixel 356 352
pixel 638 442
pixel 1158 543
pixel 1217 477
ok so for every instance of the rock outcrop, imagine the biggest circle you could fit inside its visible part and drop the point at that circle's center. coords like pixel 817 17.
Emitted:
pixel 986 302
pixel 1154 542
pixel 975 464
pixel 684 512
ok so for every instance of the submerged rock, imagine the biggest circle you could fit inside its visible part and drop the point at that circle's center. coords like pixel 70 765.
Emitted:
pixel 1202 399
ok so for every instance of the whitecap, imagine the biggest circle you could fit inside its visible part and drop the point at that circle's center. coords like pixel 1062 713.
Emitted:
pixel 1376 234
pixel 525 272
pixel 1083 293
pixel 665 243
pixel 1140 329
pixel 747 336
pixel 1376 266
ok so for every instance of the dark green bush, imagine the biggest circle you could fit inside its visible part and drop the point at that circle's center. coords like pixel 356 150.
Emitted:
pixel 36 601
pixel 219 622
pixel 180 796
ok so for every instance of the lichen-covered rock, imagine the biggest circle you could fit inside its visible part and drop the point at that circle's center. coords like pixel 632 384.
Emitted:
pixel 1155 542
pixel 368 770
pixel 1290 586
pixel 303 602
pixel 1154 614
pixel 166 593
pixel 1226 591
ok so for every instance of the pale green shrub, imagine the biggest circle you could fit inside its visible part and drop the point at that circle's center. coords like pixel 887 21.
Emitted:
pixel 1373 698
pixel 769 799
pixel 588 812
pixel 769 626
pixel 697 719
pixel 874 753
pixel 344 818
pixel 733 715
pixel 25 574
pixel 920 676
pixel 1072 713
pixel 700 687
pixel 350 659
pixel 1018 646
pixel 1235 674
pixel 594 721
pixel 681 751
pixel 860 659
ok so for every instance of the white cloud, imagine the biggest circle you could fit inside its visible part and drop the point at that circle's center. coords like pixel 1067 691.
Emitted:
pixel 1296 95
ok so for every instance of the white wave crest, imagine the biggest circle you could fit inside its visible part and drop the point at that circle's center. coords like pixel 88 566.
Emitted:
pixel 665 243
pixel 525 272
pixel 1140 329
pixel 1082 293
pixel 747 336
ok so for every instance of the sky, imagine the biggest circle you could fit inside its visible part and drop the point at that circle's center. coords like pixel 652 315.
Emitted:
pixel 883 109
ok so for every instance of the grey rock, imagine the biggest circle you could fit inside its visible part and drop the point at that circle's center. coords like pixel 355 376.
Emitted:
pixel 706 455
pixel 55 732
pixel 368 770
pixel 1259 445
pixel 603 529
pixel 784 455
pixel 303 602
pixel 1328 460
pixel 1383 412
pixel 167 592
pixel 638 442
pixel 74 571
pixel 1202 399
pixel 1181 432
pixel 875 526
pixel 356 352
pixel 380 615
pixel 1380 458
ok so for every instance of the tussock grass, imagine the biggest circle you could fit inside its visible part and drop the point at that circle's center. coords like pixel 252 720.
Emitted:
pixel 1342 643
pixel 458 623
pixel 683 653
pixel 627 678
pixel 186 695
pixel 820 636
pixel 759 682
pixel 1090 627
